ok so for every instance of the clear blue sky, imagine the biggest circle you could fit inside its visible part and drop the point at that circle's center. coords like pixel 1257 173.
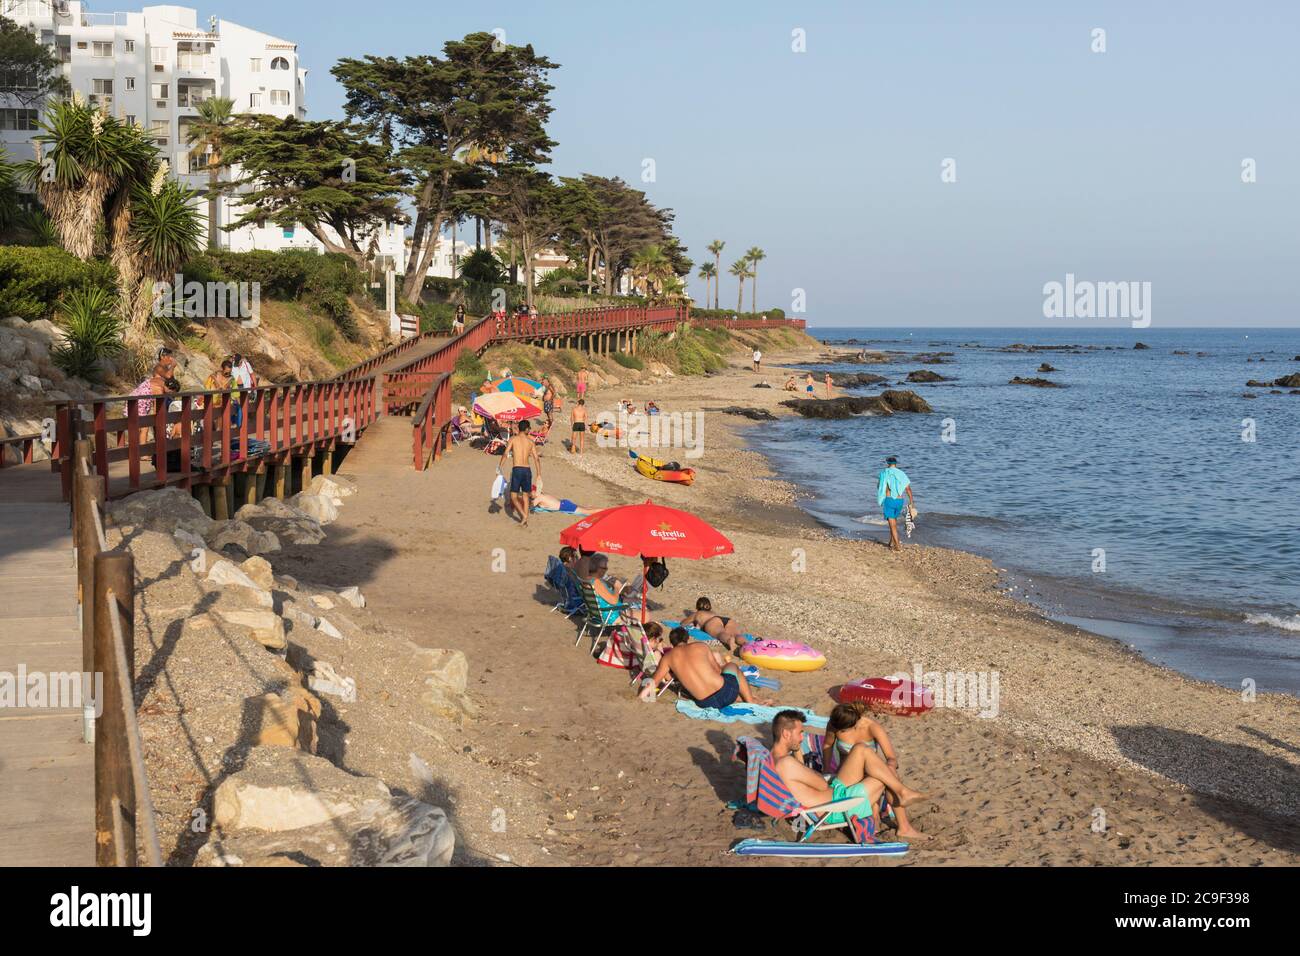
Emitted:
pixel 1123 165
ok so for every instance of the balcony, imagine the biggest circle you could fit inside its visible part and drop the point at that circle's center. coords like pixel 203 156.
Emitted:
pixel 188 62
pixel 192 96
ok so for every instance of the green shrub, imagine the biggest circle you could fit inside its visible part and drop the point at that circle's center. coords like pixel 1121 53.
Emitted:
pixel 570 359
pixel 33 278
pixel 442 288
pixel 628 361
pixel 470 368
pixel 94 333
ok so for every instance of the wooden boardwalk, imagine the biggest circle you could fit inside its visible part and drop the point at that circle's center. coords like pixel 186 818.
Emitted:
pixel 47 791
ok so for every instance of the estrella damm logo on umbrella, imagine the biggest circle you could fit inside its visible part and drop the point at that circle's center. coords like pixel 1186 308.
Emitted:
pixel 665 532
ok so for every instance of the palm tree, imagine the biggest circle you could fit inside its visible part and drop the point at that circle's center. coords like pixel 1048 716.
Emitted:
pixel 207 137
pixel 755 255
pixel 716 247
pixel 652 266
pixel 740 269
pixel 86 163
pixel 708 271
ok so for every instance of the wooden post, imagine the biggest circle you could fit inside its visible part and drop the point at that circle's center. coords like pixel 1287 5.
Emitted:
pixel 281 472
pixel 259 484
pixel 114 786
pixel 304 466
pixel 250 487
pixel 220 503
pixel 327 460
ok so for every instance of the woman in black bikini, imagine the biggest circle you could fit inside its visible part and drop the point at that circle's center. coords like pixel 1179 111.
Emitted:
pixel 719 628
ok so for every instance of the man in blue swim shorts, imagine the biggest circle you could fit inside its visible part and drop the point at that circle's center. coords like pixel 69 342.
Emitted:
pixel 522 455
pixel 700 671
pixel 892 485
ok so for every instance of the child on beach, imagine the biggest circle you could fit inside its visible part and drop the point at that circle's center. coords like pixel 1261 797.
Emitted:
pixel 828 384
pixel 808 385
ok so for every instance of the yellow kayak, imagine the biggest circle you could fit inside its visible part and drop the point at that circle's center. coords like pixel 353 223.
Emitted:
pixel 654 468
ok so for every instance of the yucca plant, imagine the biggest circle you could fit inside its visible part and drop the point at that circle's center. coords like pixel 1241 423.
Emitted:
pixel 165 233
pixel 94 332
pixel 37 229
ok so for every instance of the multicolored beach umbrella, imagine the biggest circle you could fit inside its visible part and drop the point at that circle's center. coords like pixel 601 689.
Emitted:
pixel 506 407
pixel 522 386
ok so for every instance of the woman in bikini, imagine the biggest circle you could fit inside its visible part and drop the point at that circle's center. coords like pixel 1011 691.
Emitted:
pixel 719 628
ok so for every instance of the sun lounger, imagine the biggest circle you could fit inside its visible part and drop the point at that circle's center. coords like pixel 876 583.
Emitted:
pixel 768 794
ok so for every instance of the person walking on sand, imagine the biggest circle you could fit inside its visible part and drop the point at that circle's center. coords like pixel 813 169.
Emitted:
pixel 521 452
pixel 828 384
pixel 548 400
pixel 758 360
pixel 890 488
pixel 861 774
pixel 582 383
pixel 701 673
pixel 579 415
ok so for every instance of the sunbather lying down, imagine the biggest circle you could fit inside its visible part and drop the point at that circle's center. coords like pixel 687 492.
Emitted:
pixel 551 503
pixel 862 774
pixel 724 629
pixel 702 674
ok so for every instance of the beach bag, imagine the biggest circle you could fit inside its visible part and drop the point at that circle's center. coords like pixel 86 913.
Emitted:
pixel 498 486
pixel 657 574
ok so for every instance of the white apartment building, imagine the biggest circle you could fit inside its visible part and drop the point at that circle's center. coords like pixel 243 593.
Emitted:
pixel 154 68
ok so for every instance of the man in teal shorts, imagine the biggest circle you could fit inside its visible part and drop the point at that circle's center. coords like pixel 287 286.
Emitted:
pixel 890 488
pixel 859 776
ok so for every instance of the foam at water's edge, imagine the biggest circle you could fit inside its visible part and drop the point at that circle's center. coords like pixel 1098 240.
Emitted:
pixel 1272 620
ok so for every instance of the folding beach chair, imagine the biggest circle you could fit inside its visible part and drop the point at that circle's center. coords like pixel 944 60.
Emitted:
pixel 767 792
pixel 650 659
pixel 566 582
pixel 600 620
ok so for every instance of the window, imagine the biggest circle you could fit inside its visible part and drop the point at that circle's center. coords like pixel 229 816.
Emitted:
pixel 158 91
pixel 101 48
pixel 279 63
pixel 160 131
pixel 17 119
pixel 288 231
pixel 279 97
pixel 255 65
pixel 130 83
pixel 17 80
pixel 254 100
pixel 130 119
pixel 158 54
pixel 129 45
pixel 101 87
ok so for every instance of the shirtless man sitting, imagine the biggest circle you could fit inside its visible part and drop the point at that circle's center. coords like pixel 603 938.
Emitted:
pixel 862 774
pixel 719 628
pixel 701 672
pixel 522 454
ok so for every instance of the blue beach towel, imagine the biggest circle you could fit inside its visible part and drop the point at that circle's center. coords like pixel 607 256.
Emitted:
pixel 755 714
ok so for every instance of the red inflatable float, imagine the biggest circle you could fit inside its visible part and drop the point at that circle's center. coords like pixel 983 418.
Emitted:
pixel 885 695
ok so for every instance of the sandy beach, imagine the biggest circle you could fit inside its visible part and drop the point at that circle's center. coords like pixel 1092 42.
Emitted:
pixel 1094 756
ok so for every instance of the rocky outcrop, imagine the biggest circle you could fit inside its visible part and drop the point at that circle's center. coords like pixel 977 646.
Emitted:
pixel 856 379
pixel 1288 381
pixel 287 523
pixel 244 536
pixel 886 403
pixel 1035 382
pixel 285 808
pixel 754 414
pixel 924 376
pixel 1138 346
pixel 166 510
pixel 1045 367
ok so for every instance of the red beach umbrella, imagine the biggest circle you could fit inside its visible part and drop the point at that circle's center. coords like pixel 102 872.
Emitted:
pixel 648 529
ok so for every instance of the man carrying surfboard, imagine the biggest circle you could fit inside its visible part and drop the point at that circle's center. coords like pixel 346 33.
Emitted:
pixel 892 484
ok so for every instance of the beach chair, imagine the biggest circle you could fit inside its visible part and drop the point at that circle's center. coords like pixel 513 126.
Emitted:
pixel 649 664
pixel 767 792
pixel 566 582
pixel 600 619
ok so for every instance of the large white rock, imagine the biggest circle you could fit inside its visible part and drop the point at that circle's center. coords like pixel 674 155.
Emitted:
pixel 353 596
pixel 281 789
pixel 225 574
pixel 320 508
pixel 243 536
pixel 331 486
pixel 265 626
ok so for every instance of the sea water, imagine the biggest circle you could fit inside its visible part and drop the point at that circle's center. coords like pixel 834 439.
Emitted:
pixel 1148 500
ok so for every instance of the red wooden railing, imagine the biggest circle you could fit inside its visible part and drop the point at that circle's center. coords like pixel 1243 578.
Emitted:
pixel 589 321
pixel 23 445
pixel 750 323
pixel 131 448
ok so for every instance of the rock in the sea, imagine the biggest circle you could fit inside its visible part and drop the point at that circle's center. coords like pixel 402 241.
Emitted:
pixel 1289 381
pixel 167 510
pixel 924 375
pixel 1035 382
pixel 756 414
pixel 903 400
pixel 1257 384
pixel 886 403
pixel 1140 345
pixel 856 379
pixel 1045 367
